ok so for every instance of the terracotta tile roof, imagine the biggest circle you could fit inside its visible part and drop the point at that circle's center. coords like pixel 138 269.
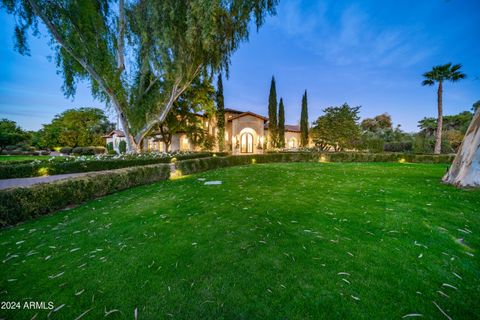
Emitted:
pixel 233 110
pixel 248 113
pixel 119 133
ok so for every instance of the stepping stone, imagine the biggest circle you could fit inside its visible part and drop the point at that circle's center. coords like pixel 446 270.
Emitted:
pixel 201 179
pixel 208 183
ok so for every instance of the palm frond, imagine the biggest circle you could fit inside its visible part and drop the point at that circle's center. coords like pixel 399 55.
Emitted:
pixel 428 82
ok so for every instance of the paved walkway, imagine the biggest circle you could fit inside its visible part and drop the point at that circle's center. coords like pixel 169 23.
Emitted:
pixel 25 182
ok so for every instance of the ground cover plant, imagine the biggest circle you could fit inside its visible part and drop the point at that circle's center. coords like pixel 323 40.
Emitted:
pixel 284 240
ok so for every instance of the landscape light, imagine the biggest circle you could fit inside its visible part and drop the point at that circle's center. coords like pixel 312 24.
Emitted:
pixel 43 171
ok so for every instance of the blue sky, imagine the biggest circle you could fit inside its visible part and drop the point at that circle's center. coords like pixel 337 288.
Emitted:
pixel 368 53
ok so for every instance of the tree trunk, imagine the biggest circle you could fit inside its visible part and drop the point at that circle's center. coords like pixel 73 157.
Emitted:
pixel 438 133
pixel 465 169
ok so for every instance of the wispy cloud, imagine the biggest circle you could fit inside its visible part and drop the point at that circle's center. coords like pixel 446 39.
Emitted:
pixel 350 35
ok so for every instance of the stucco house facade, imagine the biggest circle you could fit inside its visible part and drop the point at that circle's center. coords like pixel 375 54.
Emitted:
pixel 245 133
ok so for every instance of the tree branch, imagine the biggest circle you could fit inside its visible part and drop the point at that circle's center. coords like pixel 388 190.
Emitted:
pixel 176 92
pixel 91 71
pixel 121 36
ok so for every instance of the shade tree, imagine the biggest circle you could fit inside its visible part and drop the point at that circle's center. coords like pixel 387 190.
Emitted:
pixel 137 56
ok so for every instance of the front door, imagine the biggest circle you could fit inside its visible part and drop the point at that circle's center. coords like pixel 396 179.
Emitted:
pixel 246 145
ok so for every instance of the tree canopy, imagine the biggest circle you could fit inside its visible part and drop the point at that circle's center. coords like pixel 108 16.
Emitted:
pixel 10 134
pixel 138 56
pixel 80 127
pixel 192 107
pixel 378 123
pixel 337 128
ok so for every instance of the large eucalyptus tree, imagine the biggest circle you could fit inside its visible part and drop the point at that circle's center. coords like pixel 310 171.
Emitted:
pixel 465 169
pixel 138 55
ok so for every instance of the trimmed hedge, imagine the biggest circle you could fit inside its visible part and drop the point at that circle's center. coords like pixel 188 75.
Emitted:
pixel 38 168
pixel 204 164
pixel 22 204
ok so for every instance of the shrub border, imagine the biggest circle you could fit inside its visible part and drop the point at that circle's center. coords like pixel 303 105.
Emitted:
pixel 24 203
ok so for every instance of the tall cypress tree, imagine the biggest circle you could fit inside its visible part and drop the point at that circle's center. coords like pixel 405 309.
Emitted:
pixel 304 122
pixel 272 114
pixel 220 114
pixel 281 124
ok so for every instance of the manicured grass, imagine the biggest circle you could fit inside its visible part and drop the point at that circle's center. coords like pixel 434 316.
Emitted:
pixel 22 158
pixel 274 241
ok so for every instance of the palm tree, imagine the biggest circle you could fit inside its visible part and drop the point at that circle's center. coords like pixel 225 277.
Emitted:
pixel 446 72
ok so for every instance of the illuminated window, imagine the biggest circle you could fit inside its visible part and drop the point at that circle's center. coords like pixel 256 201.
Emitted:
pixel 246 143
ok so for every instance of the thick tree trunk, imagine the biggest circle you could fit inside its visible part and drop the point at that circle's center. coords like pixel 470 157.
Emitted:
pixel 465 170
pixel 438 133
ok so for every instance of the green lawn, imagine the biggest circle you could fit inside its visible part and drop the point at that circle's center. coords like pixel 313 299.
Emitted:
pixel 22 158
pixel 276 241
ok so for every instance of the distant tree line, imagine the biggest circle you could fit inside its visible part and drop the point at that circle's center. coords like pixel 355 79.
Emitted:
pixel 339 129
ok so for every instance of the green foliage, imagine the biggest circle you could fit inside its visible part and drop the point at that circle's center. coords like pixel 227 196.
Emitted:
pixel 122 146
pixel 30 168
pixel 80 127
pixel 21 204
pixel 281 124
pixel 88 151
pixel 371 143
pixel 337 128
pixel 272 114
pixel 440 73
pixel 166 43
pixel 398 146
pixel 425 144
pixel 304 122
pixel 220 114
pixel 11 134
pixel 458 122
pixel 66 150
pixel 185 115
pixel 475 106
pixel 110 146
pixel 379 123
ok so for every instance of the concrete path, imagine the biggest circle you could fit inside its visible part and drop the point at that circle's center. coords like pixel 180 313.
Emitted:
pixel 25 182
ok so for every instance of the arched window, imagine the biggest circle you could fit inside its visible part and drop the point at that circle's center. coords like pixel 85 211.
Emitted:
pixel 246 143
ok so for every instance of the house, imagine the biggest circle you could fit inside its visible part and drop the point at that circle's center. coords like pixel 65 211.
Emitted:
pixel 245 133
pixel 114 138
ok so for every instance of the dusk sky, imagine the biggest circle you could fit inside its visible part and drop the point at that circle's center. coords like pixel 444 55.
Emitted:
pixel 368 53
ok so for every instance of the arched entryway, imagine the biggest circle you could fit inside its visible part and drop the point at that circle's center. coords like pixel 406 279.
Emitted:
pixel 292 143
pixel 246 143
